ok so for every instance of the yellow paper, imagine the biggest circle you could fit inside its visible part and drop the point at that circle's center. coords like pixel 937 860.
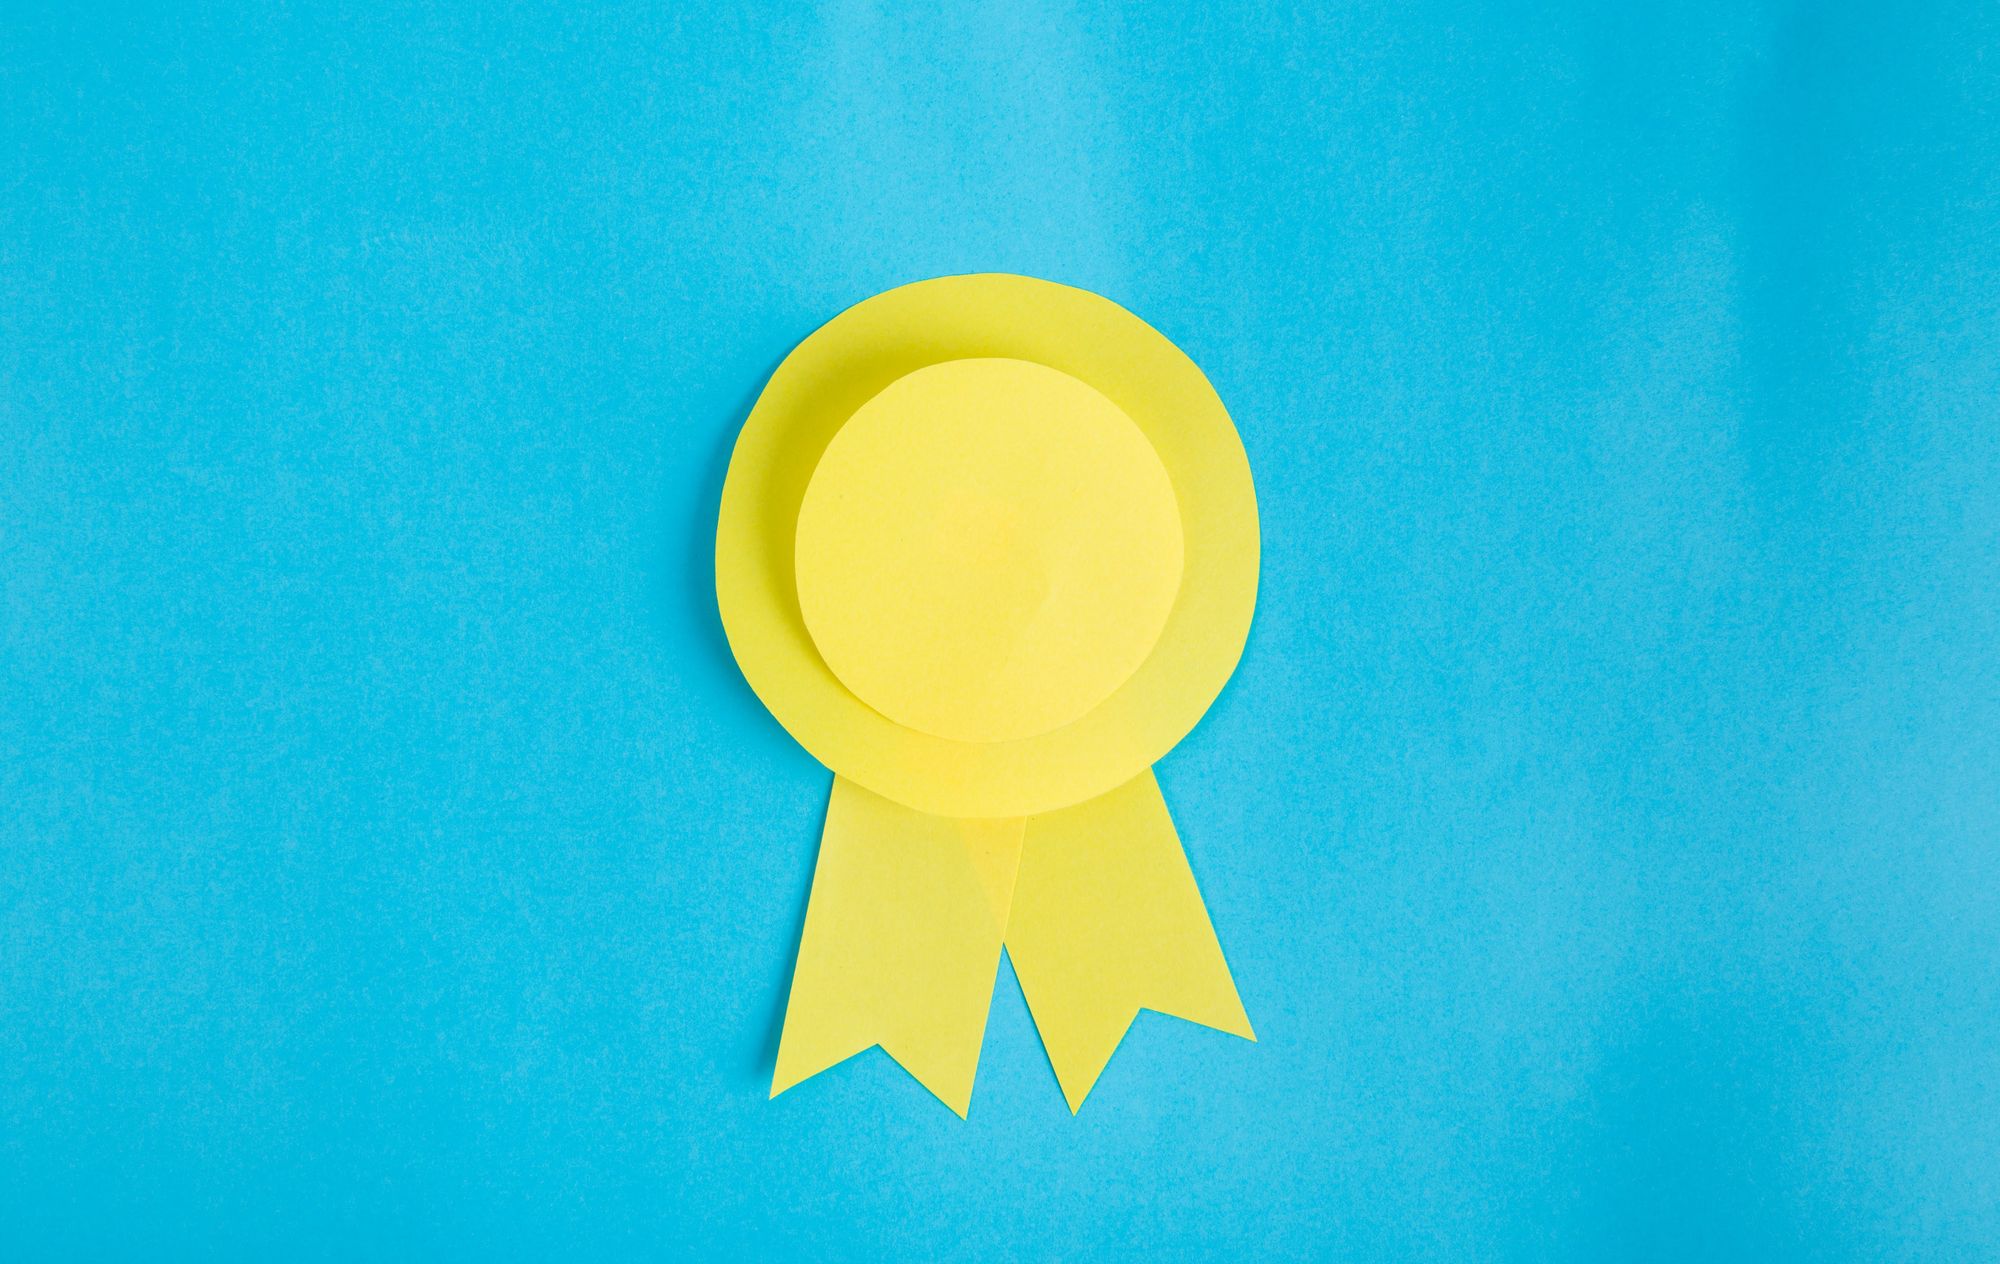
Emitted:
pixel 850 361
pixel 901 943
pixel 1095 904
pixel 1107 921
pixel 987 549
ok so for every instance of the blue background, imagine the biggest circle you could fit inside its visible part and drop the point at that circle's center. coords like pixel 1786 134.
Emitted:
pixel 1604 825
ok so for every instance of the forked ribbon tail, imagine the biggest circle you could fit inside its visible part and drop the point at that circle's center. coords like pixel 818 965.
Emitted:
pixel 909 912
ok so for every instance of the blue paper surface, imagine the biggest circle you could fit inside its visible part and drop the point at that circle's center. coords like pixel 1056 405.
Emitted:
pixel 1603 826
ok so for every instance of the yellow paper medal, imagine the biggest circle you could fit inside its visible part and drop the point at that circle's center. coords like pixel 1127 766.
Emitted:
pixel 988 549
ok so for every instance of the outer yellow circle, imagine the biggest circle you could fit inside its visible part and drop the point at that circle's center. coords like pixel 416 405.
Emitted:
pixel 849 361
pixel 987 549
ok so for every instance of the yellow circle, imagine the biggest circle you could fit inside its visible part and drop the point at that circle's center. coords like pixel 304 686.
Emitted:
pixel 850 360
pixel 988 548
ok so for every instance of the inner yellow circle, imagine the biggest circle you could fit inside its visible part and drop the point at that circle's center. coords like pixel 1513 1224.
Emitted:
pixel 987 549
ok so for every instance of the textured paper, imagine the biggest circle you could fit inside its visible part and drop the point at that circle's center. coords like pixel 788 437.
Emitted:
pixel 988 548
pixel 901 943
pixel 909 913
pixel 851 360
pixel 1107 921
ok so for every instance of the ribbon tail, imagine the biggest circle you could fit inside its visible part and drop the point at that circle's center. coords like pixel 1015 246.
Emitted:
pixel 1106 921
pixel 901 943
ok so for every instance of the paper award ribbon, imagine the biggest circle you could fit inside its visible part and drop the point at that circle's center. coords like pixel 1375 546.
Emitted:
pixel 988 549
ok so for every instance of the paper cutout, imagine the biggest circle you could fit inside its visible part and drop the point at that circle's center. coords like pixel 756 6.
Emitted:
pixel 848 362
pixel 909 912
pixel 1107 921
pixel 901 944
pixel 988 548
